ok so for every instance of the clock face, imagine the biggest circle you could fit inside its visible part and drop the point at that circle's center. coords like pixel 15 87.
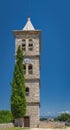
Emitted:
pixel 27 60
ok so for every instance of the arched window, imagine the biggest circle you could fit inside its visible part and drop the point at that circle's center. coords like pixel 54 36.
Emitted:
pixel 30 69
pixel 23 44
pixel 24 69
pixel 30 45
pixel 27 91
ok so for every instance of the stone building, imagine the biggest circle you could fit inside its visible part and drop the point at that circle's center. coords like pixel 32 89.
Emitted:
pixel 29 39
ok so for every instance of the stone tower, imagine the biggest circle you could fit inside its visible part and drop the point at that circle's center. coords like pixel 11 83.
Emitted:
pixel 29 40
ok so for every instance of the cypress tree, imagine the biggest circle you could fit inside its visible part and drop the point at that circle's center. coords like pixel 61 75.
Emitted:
pixel 18 100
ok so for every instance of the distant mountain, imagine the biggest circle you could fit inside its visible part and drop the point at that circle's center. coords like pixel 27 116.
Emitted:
pixel 51 116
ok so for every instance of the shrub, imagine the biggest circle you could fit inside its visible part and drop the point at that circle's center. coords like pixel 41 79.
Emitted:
pixel 43 119
pixel 63 117
pixel 5 116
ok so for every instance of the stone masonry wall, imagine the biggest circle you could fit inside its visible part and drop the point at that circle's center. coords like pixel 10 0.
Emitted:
pixel 36 71
pixel 6 125
pixel 36 47
pixel 33 112
pixel 45 124
pixel 34 91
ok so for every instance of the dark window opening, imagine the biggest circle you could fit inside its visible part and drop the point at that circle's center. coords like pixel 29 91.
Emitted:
pixel 24 69
pixel 27 91
pixel 23 44
pixel 30 46
pixel 30 69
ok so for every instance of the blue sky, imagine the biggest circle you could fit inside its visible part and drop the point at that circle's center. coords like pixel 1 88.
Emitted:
pixel 52 17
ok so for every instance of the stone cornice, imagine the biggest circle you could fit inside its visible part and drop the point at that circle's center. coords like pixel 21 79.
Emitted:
pixel 32 79
pixel 29 56
pixel 21 32
pixel 32 56
pixel 33 103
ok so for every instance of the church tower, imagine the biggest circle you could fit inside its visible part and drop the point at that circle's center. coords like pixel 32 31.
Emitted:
pixel 30 39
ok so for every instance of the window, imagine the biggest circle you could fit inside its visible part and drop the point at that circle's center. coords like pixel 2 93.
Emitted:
pixel 23 44
pixel 24 69
pixel 30 69
pixel 30 46
pixel 27 91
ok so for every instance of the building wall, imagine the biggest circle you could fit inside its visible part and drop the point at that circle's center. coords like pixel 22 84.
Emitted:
pixel 36 68
pixel 31 81
pixel 33 112
pixel 36 48
pixel 34 91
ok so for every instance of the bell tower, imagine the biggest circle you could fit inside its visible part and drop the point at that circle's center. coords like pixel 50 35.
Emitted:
pixel 30 39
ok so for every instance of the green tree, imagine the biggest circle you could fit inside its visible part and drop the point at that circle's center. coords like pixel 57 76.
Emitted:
pixel 63 117
pixel 18 99
pixel 5 116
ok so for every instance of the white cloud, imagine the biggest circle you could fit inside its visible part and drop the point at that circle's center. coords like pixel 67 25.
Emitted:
pixel 49 112
pixel 67 111
pixel 61 112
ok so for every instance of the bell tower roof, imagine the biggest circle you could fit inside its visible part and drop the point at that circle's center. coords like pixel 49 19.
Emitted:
pixel 28 25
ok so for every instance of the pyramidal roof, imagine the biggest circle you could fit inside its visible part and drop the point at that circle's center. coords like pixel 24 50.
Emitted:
pixel 28 25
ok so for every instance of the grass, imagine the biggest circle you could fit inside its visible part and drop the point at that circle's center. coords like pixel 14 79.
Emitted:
pixel 16 128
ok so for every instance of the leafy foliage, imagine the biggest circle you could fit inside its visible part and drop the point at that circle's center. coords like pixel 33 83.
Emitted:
pixel 43 119
pixel 18 100
pixel 63 117
pixel 5 116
